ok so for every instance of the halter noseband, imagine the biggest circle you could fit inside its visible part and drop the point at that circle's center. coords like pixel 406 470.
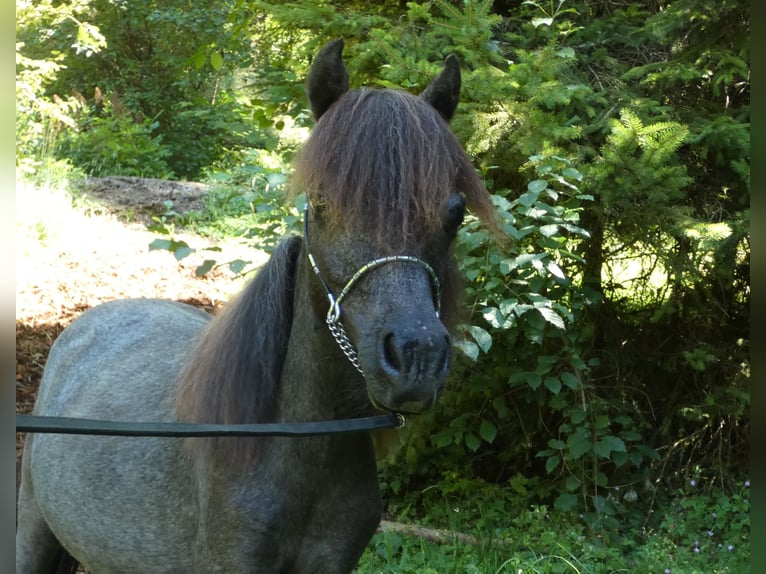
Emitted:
pixel 333 313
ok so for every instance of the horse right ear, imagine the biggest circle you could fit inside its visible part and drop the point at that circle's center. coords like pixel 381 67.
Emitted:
pixel 328 78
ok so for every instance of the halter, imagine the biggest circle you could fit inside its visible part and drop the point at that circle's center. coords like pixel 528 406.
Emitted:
pixel 333 313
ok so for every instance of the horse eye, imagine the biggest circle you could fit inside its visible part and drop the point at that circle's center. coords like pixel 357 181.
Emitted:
pixel 455 214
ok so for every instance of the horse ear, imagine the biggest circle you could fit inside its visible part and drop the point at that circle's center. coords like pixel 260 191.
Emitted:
pixel 328 78
pixel 443 92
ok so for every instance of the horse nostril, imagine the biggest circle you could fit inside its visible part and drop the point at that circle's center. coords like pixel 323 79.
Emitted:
pixel 391 354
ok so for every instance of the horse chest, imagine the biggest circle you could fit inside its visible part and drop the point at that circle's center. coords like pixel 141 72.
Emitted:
pixel 308 518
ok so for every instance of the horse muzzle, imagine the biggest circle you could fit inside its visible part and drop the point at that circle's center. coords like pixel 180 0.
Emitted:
pixel 409 368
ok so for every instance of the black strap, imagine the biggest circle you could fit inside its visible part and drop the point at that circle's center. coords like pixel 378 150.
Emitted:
pixel 67 425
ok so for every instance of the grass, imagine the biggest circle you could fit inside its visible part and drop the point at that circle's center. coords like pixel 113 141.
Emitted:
pixel 693 533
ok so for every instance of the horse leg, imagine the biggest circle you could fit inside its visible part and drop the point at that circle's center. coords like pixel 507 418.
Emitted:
pixel 37 549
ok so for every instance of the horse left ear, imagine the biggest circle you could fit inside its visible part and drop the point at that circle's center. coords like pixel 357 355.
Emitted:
pixel 328 78
pixel 443 92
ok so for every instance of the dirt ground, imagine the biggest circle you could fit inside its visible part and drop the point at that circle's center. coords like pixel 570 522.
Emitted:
pixel 77 260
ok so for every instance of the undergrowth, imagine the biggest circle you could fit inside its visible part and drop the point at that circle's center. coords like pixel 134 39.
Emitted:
pixel 694 532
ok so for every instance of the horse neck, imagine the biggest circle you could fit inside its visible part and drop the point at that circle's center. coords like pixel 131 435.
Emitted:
pixel 316 376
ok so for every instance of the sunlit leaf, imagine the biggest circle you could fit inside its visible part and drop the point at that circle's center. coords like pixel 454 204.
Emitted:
pixel 216 60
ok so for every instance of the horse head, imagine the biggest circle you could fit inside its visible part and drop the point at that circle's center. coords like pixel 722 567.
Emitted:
pixel 387 185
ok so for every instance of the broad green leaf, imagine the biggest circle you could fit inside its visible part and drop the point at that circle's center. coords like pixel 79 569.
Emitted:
pixel 578 415
pixel 160 244
pixel 602 421
pixel 553 384
pixel 501 407
pixel 488 431
pixel 602 504
pixel 205 268
pixel 579 443
pixel 482 338
pixel 572 173
pixel 469 349
pixel 619 458
pixel 552 463
pixel 602 449
pixel 565 502
pixel 630 435
pixel 537 186
pixel 615 443
pixel 237 265
pixel 549 230
pixel 570 380
pixel 494 317
pixel 216 60
pixel 199 59
pixel 552 317
pixel 443 438
pixel 527 199
pixel 519 310
pixel 472 441
pixel 636 458
pixel 182 252
pixel 607 445
pixel 533 380
pixel 545 364
pixel 555 270
pixel 541 22
pixel 572 483
pixel 557 444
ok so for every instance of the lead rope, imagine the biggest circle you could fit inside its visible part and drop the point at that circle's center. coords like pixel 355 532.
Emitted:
pixel 334 312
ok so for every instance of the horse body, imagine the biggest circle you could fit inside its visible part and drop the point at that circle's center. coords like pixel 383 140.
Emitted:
pixel 91 372
pixel 145 488
pixel 287 505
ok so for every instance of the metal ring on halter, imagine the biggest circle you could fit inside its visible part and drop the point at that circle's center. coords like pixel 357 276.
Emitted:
pixel 334 312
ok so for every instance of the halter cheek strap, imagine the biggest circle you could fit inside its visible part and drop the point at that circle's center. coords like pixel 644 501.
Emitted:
pixel 334 312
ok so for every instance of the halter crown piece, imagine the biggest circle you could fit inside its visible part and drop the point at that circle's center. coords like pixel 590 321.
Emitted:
pixel 334 312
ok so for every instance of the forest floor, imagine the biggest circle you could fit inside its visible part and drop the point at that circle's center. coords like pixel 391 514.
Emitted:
pixel 69 259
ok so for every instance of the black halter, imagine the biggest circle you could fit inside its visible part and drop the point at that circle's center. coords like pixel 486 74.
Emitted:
pixel 333 313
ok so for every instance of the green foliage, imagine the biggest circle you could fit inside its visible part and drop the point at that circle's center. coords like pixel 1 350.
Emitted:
pixel 489 528
pixel 247 202
pixel 113 143
pixel 173 67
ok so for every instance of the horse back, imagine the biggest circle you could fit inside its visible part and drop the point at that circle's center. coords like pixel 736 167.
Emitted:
pixel 121 356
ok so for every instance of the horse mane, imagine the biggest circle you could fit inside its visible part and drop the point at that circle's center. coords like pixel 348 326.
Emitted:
pixel 233 373
pixel 386 162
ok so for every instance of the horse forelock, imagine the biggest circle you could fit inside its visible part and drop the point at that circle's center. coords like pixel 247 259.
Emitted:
pixel 386 162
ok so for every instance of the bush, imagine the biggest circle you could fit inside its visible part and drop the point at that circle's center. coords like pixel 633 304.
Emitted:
pixel 113 143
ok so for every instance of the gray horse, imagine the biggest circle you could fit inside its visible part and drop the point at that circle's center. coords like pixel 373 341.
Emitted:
pixel 387 184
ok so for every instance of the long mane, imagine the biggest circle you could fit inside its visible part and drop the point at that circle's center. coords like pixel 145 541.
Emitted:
pixel 233 374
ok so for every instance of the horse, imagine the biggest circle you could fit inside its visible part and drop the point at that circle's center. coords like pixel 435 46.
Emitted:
pixel 354 318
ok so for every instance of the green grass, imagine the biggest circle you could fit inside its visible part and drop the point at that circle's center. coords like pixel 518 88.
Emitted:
pixel 692 533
